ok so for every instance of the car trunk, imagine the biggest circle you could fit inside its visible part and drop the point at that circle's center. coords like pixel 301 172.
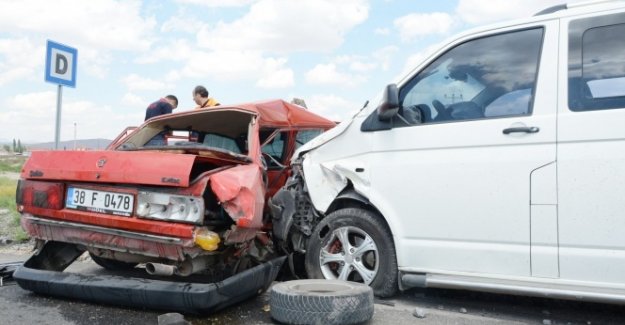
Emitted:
pixel 115 167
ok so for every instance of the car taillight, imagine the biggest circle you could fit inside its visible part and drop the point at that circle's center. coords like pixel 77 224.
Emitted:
pixel 170 207
pixel 40 194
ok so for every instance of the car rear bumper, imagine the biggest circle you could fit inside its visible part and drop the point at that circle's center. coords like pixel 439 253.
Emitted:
pixel 159 246
pixel 184 297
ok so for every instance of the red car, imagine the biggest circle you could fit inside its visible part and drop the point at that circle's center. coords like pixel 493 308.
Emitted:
pixel 183 194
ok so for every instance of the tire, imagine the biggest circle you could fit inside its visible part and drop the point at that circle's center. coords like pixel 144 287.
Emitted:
pixel 321 302
pixel 371 258
pixel 112 265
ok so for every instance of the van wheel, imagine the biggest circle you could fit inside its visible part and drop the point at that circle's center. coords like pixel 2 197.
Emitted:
pixel 354 245
pixel 112 265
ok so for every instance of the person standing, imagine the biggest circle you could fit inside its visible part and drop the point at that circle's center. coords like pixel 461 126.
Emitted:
pixel 162 106
pixel 200 97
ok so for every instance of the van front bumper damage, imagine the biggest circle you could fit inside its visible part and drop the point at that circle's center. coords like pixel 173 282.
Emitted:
pixel 43 273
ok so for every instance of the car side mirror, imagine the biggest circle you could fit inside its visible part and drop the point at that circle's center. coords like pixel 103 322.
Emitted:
pixel 389 106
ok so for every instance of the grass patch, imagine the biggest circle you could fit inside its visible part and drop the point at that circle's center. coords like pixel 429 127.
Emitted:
pixel 7 193
pixel 12 163
pixel 9 218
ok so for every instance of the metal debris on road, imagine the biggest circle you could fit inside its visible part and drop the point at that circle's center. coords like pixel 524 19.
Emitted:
pixel 384 302
pixel 6 271
pixel 418 313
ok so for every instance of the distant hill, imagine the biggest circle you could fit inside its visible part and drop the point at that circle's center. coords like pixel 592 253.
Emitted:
pixel 87 144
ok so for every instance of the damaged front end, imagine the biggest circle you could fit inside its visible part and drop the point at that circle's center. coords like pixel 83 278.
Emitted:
pixel 293 219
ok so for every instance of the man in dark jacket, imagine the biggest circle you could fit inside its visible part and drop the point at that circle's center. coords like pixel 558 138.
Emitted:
pixel 162 106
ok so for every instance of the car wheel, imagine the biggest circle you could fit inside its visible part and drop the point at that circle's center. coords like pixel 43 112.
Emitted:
pixel 321 302
pixel 110 264
pixel 354 245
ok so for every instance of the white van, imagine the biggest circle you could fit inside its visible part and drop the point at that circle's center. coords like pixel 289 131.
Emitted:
pixel 497 165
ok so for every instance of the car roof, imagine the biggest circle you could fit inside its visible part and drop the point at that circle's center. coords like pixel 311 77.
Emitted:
pixel 277 112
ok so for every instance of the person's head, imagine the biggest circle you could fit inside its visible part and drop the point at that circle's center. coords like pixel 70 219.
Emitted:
pixel 200 94
pixel 171 99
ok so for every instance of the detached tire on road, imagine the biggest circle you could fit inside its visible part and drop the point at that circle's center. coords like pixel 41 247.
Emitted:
pixel 321 302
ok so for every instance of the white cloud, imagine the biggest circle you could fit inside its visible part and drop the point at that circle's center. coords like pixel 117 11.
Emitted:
pixel 255 46
pixel 382 31
pixel 350 70
pixel 20 59
pixel 95 28
pixel 485 11
pixel 136 82
pixel 237 65
pixel 173 75
pixel 218 3
pixel 275 75
pixel 34 114
pixel 133 100
pixel 416 25
pixel 357 63
pixel 182 23
pixel 282 26
pixel 329 75
pixel 384 56
pixel 101 24
pixel 176 50
pixel 332 107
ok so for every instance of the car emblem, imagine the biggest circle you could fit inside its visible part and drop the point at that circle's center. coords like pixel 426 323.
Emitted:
pixel 101 162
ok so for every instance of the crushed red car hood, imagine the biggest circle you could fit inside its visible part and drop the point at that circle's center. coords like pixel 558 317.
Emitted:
pixel 148 168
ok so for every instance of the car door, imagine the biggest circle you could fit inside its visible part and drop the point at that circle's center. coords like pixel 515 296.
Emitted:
pixel 454 174
pixel 591 149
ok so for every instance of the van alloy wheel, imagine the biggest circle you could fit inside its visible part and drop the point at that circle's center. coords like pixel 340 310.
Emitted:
pixel 354 244
pixel 350 254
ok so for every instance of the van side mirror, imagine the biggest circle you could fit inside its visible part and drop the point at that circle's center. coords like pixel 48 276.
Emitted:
pixel 389 106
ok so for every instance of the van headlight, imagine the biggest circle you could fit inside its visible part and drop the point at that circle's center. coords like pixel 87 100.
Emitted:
pixel 168 207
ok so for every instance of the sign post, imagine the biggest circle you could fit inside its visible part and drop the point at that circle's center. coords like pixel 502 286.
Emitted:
pixel 61 70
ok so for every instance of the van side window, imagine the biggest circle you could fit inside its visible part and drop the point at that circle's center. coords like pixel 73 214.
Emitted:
pixel 597 64
pixel 487 77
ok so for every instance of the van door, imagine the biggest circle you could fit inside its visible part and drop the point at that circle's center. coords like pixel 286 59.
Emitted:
pixel 453 176
pixel 591 149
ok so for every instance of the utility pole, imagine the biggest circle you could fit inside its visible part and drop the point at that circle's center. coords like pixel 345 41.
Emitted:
pixel 74 135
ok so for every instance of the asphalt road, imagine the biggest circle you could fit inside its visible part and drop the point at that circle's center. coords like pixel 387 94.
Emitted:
pixel 18 306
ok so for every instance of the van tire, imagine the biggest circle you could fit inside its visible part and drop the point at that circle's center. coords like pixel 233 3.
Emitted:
pixel 359 225
pixel 321 302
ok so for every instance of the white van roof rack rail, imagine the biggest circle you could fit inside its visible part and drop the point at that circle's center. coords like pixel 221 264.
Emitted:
pixel 565 6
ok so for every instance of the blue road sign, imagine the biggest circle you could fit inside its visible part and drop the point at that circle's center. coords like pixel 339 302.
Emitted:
pixel 61 64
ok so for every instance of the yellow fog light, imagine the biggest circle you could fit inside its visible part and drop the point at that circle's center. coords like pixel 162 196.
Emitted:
pixel 206 239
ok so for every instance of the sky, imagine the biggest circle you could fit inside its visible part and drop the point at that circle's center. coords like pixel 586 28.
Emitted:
pixel 333 54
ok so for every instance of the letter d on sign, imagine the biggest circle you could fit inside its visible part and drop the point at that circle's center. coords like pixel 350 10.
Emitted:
pixel 60 64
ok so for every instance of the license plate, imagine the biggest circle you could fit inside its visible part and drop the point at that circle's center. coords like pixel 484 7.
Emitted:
pixel 99 201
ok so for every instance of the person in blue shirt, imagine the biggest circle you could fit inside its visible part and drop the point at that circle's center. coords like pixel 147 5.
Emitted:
pixel 162 106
